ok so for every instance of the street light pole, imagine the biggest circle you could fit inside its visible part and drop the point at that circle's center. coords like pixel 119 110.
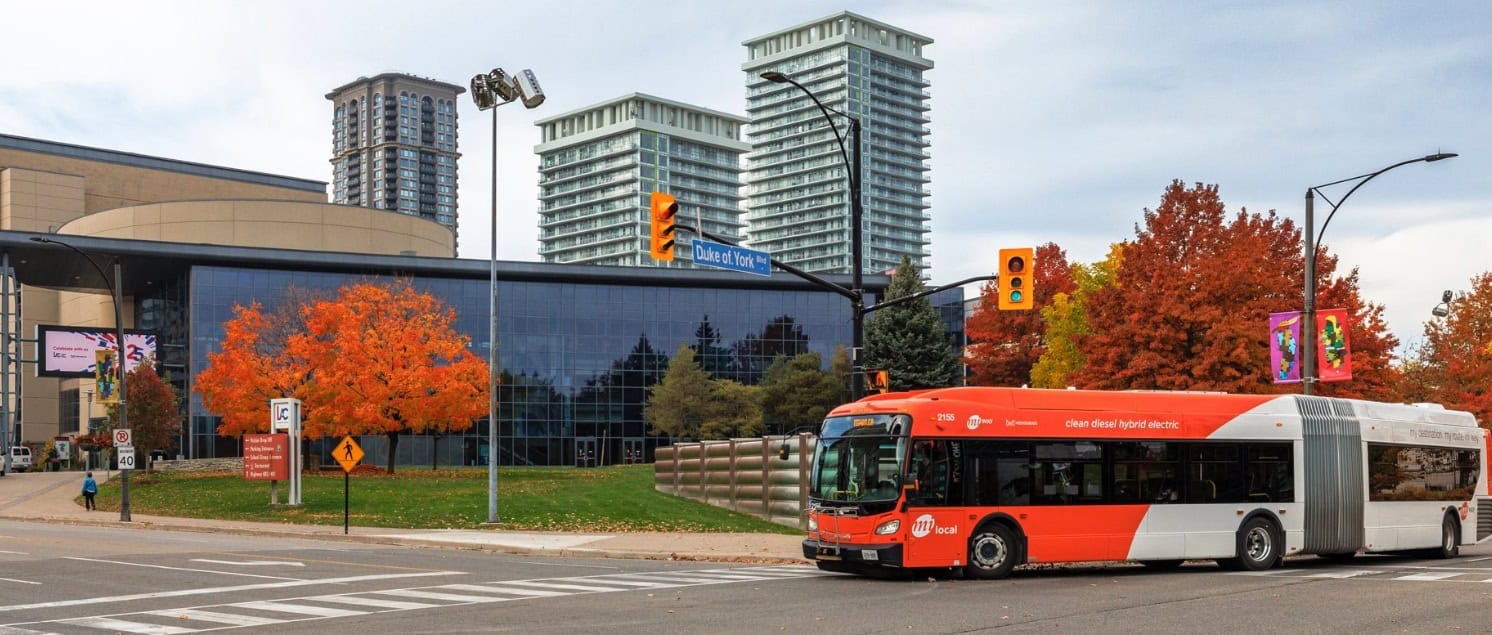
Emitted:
pixel 1312 240
pixel 490 90
pixel 122 365
pixel 857 214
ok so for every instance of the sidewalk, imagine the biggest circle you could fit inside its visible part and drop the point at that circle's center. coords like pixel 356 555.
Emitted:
pixel 48 497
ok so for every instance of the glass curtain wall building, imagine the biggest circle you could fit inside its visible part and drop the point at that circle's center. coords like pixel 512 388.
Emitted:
pixel 578 353
pixel 798 194
pixel 599 166
pixel 394 145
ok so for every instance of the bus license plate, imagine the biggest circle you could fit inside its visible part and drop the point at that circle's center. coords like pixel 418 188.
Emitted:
pixel 870 554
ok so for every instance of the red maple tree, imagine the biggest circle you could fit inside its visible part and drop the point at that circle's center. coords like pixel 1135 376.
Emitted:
pixel 1004 345
pixel 1194 294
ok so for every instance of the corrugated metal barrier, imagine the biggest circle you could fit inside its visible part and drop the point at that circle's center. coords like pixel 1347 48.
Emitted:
pixel 742 475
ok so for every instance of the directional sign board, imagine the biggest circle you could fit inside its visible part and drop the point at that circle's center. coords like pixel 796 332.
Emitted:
pixel 348 454
pixel 122 438
pixel 126 457
pixel 733 258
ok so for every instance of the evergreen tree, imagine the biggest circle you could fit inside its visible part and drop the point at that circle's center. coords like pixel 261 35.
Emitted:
pixel 680 403
pixel 797 392
pixel 909 339
pixel 712 357
pixel 733 411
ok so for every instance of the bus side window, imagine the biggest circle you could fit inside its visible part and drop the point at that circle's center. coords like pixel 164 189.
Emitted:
pixel 928 469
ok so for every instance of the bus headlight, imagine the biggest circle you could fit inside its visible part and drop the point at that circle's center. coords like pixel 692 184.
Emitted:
pixel 887 528
pixel 813 523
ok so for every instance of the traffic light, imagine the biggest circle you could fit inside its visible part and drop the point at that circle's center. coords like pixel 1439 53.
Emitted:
pixel 880 380
pixel 1017 292
pixel 664 209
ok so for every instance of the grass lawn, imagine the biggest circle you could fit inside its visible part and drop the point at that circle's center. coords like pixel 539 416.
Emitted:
pixel 607 499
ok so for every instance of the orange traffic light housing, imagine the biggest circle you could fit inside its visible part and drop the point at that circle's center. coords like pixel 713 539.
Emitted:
pixel 664 209
pixel 880 380
pixel 1017 291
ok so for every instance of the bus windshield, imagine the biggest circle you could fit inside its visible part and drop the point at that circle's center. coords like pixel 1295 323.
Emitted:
pixel 859 458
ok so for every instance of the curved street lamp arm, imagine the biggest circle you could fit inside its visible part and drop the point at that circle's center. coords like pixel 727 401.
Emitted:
pixel 843 152
pixel 1364 179
pixel 97 268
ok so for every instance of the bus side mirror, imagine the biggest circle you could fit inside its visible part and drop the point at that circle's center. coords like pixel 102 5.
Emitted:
pixel 783 451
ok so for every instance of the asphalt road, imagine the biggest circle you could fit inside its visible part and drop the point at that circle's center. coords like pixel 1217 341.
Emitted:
pixel 70 579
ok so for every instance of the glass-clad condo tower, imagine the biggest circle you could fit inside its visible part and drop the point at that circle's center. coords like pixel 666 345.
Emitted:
pixel 798 195
pixel 599 166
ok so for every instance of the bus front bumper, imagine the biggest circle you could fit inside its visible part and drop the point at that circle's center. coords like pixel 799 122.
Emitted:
pixel 886 555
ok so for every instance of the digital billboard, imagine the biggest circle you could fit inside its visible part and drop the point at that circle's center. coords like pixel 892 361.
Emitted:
pixel 72 352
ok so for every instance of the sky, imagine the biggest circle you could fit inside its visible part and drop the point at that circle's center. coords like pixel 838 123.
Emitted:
pixel 1051 121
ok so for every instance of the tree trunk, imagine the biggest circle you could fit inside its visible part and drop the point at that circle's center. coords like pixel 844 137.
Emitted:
pixel 435 453
pixel 393 446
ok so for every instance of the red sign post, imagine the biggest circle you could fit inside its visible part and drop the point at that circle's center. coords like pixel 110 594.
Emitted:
pixel 265 457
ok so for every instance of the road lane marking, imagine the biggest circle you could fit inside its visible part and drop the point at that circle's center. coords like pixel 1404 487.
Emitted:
pixel 161 566
pixel 298 609
pixel 436 595
pixel 1340 574
pixel 224 589
pixel 125 626
pixel 214 616
pixel 19 581
pixel 252 563
pixel 390 605
pixel 505 590
pixel 11 630
pixel 15 553
pixel 337 562
pixel 636 583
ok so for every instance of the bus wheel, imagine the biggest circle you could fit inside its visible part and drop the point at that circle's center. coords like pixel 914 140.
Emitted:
pixel 1450 538
pixel 991 552
pixel 1258 546
pixel 1162 565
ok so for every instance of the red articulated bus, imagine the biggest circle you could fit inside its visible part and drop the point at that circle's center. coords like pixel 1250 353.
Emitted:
pixel 985 479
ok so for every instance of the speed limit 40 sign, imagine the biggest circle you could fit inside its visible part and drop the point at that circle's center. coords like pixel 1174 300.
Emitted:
pixel 126 457
pixel 122 438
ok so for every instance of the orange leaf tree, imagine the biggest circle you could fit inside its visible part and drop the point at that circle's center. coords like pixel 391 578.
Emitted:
pixel 387 359
pixel 1458 352
pixel 1195 290
pixel 1005 345
pixel 254 364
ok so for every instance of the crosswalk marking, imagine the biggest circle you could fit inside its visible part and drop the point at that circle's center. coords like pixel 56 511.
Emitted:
pixel 378 603
pixel 1340 573
pixel 449 597
pixel 302 609
pixel 1429 576
pixel 214 616
pixel 225 616
pixel 492 588
pixel 569 587
pixel 125 626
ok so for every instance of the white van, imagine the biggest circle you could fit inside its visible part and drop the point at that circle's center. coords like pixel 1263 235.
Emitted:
pixel 20 458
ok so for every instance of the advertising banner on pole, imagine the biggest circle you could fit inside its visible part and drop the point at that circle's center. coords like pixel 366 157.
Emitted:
pixel 106 376
pixel 1333 354
pixel 1284 347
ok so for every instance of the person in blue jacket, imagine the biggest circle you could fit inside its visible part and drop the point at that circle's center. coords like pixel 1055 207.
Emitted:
pixel 90 487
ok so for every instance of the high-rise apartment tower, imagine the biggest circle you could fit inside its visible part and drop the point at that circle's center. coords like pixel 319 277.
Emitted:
pixel 394 145
pixel 599 166
pixel 798 196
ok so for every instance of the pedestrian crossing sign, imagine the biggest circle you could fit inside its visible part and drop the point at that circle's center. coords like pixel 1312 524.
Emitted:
pixel 348 454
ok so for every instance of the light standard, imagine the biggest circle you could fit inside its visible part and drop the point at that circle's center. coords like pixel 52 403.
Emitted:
pixel 122 361
pixel 1308 328
pixel 857 212
pixel 489 91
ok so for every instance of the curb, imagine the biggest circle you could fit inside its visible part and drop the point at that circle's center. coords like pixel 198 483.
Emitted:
pixel 569 552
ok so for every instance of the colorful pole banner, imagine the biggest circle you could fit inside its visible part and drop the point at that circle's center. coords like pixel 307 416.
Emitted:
pixel 1333 355
pixel 105 374
pixel 1284 347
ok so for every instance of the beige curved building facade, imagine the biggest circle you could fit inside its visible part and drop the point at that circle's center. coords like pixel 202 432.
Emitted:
pixel 271 223
pixel 65 189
